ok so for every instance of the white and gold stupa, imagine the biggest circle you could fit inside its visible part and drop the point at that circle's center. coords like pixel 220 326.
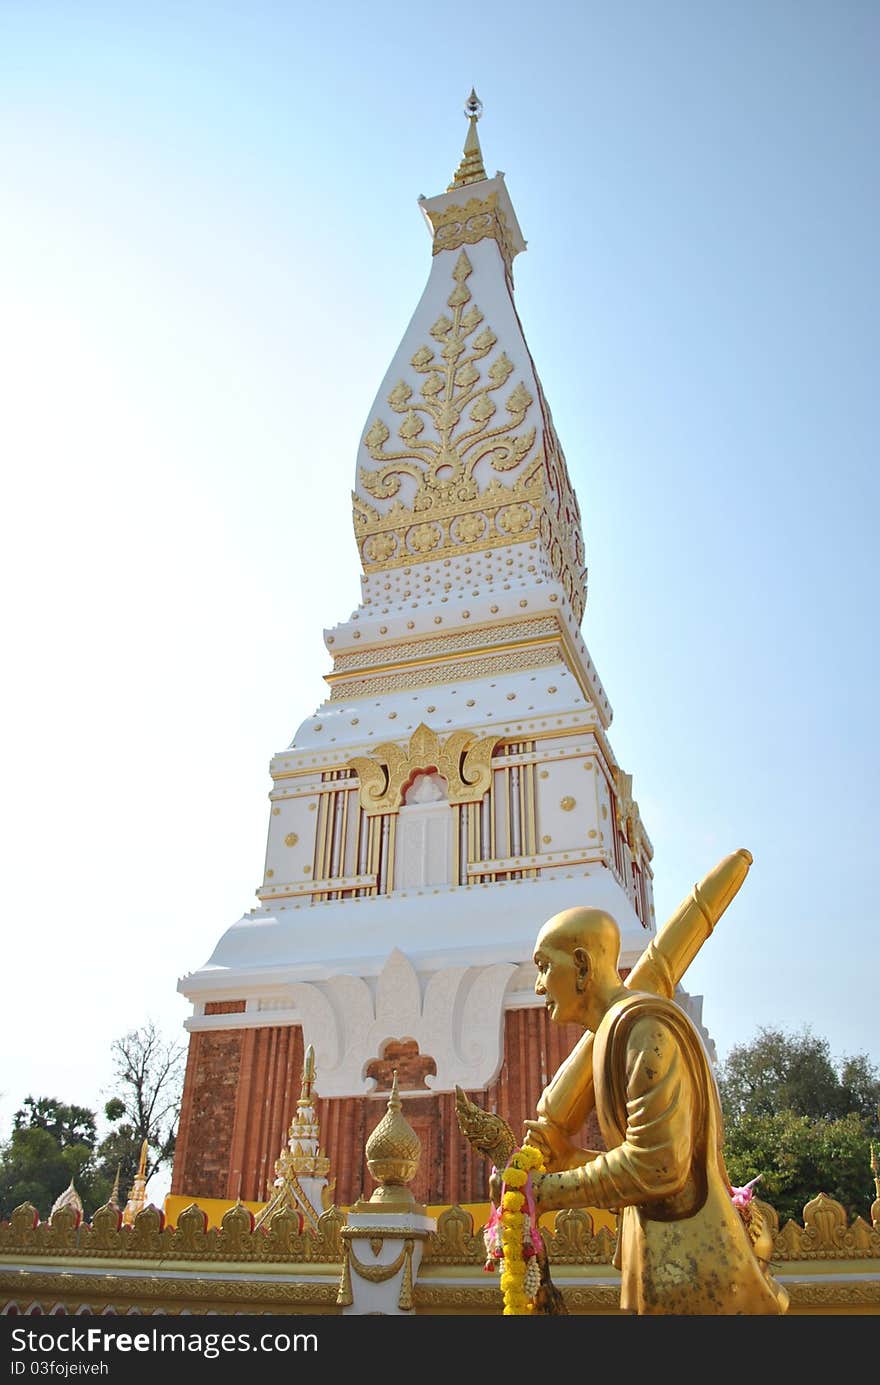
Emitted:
pixel 456 787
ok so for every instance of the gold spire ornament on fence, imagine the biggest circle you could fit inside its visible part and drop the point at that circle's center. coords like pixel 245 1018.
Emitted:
pixel 302 1159
pixel 137 1197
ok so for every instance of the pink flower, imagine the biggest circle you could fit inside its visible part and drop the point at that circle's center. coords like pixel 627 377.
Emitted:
pixel 741 1197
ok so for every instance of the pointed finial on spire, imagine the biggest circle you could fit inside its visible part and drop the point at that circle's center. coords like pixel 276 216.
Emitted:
pixel 308 1074
pixel 473 106
pixel 114 1195
pixel 394 1101
pixel 142 1164
pixel 471 169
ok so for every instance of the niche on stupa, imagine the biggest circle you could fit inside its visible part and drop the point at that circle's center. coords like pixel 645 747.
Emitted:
pixel 423 844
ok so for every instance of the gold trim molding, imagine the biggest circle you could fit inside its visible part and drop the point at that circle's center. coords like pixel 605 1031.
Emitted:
pixel 104 1287
pixel 235 1241
pixel 826 1235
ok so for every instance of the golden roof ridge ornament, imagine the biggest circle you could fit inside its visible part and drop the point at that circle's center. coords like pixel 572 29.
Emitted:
pixel 471 169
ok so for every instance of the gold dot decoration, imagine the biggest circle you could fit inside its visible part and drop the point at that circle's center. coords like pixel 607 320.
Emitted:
pixel 307 870
pixel 275 812
pixel 592 832
pixel 546 840
pixel 269 874
pixel 312 807
pixel 604 811
pixel 567 803
pixel 551 690
pixel 470 702
pixel 291 839
pixel 545 774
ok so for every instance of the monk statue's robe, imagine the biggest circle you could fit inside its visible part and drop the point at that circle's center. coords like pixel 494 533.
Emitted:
pixel 683 1248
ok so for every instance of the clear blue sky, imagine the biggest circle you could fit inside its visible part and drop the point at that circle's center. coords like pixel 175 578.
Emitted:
pixel 209 249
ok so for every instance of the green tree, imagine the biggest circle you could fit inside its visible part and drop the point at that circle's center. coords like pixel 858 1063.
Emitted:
pixel 148 1072
pixel 69 1125
pixel 51 1144
pixel 795 1072
pixel 799 1119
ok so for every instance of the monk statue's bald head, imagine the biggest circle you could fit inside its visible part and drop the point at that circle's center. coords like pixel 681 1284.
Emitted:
pixel 591 929
pixel 577 954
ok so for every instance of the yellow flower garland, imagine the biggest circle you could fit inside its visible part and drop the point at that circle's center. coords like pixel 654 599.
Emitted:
pixel 523 1161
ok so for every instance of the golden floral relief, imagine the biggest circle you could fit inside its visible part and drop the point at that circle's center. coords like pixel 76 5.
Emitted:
pixel 451 425
pixel 467 410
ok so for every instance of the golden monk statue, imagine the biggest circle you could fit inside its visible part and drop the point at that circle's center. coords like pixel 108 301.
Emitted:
pixel 683 1247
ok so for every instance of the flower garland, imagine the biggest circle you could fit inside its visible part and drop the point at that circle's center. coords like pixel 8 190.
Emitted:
pixel 512 1234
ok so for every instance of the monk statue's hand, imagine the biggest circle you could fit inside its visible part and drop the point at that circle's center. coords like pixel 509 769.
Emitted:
pixel 556 1148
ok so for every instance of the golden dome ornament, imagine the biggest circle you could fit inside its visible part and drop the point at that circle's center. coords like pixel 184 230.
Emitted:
pixel 393 1152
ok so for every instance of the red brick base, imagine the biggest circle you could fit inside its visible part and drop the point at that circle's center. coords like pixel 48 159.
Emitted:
pixel 241 1089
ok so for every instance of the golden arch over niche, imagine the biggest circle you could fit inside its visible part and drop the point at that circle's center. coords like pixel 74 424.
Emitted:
pixel 463 760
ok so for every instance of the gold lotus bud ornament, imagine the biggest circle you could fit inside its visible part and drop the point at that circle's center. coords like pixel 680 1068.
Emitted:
pixel 393 1152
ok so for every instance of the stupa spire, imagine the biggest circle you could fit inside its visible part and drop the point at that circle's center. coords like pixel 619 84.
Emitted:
pixel 471 169
pixel 301 1168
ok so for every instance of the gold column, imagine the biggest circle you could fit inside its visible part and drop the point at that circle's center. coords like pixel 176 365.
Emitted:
pixel 373 854
pixel 532 835
pixel 344 848
pixel 320 841
pixel 392 837
pixel 493 799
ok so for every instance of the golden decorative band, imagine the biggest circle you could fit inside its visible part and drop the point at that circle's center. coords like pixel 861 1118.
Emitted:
pixel 479 637
pixel 458 671
pixel 472 221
